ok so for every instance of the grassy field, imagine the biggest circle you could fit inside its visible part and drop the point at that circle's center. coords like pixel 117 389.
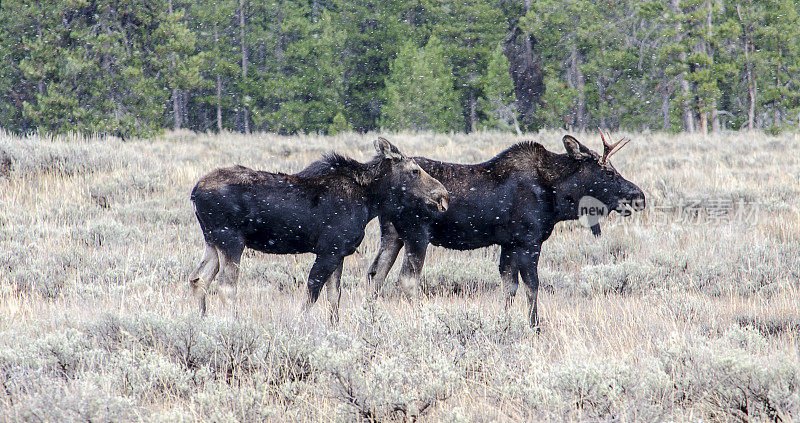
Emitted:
pixel 687 311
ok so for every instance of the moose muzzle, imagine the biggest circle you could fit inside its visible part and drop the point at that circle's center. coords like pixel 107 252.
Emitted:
pixel 439 200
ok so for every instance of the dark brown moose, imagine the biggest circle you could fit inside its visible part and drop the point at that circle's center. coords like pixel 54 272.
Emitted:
pixel 513 200
pixel 323 209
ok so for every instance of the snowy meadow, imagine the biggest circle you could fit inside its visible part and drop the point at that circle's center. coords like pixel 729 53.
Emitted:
pixel 686 311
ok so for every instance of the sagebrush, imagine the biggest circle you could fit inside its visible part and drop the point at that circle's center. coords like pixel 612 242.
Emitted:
pixel 662 318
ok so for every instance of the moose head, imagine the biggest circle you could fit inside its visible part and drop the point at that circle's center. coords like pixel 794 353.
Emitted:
pixel 596 187
pixel 405 184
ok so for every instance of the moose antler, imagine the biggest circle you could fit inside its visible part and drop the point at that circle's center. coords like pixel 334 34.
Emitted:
pixel 608 148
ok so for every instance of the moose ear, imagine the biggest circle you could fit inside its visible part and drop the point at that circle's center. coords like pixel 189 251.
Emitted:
pixel 575 149
pixel 387 149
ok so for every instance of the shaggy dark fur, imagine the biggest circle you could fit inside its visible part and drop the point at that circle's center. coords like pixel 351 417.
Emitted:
pixel 513 200
pixel 322 209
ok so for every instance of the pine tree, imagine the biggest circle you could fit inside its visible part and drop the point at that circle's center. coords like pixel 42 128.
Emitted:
pixel 779 47
pixel 304 92
pixel 15 27
pixel 174 41
pixel 469 30
pixel 699 19
pixel 596 72
pixel 750 16
pixel 420 93
pixel 498 103
pixel 339 125
pixel 137 67
pixel 374 32
pixel 560 28
pixel 93 70
pixel 218 65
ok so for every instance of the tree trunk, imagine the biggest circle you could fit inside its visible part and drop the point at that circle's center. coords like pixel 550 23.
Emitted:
pixel 185 108
pixel 410 16
pixel 219 102
pixel 751 82
pixel 473 115
pixel 601 93
pixel 753 94
pixel 579 84
pixel 219 82
pixel 176 100
pixel 715 126
pixel 242 33
pixel 280 45
pixel 704 122
pixel 686 109
pixel 262 56
pixel 710 52
pixel 526 72
pixel 665 103
pixel 778 113
pixel 176 108
pixel 40 85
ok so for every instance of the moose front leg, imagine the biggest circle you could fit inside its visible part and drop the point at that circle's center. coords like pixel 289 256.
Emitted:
pixel 528 261
pixel 412 266
pixel 509 274
pixel 387 254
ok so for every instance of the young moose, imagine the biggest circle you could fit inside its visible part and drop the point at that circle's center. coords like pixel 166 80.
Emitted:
pixel 323 209
pixel 514 200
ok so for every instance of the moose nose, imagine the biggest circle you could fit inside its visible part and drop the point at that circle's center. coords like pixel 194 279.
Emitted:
pixel 638 201
pixel 442 201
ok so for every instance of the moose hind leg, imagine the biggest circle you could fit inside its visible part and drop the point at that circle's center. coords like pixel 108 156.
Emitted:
pixel 335 293
pixel 203 275
pixel 321 271
pixel 230 256
pixel 509 275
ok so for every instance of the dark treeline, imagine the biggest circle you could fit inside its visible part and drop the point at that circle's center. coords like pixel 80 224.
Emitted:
pixel 135 67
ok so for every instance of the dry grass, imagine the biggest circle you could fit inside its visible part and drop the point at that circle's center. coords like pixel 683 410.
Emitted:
pixel 660 319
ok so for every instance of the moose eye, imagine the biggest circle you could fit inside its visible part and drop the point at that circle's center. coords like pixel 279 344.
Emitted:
pixel 415 172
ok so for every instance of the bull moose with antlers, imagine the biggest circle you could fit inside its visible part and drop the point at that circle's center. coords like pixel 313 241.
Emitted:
pixel 513 200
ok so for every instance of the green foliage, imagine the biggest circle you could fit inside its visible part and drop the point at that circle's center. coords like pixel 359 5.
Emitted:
pixel 556 102
pixel 91 73
pixel 339 125
pixel 375 31
pixel 419 91
pixel 305 95
pixel 497 103
pixel 218 57
pixel 469 31
pixel 629 74
pixel 136 67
